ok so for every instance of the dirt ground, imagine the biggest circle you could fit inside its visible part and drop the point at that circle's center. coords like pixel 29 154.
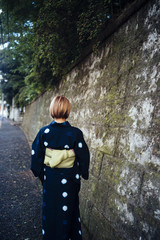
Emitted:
pixel 21 198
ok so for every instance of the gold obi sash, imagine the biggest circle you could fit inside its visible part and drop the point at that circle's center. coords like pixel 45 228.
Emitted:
pixel 59 158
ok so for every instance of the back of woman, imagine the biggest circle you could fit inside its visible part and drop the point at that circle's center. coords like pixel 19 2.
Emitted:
pixel 60 157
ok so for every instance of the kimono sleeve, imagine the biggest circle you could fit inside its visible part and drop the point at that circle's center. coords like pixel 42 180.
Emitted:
pixel 82 153
pixel 37 157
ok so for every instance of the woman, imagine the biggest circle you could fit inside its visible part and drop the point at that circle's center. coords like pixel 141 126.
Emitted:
pixel 60 157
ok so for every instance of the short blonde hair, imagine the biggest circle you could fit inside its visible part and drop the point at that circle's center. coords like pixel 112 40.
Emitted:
pixel 60 107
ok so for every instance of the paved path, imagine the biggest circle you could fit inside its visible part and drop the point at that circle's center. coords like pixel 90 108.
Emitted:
pixel 20 192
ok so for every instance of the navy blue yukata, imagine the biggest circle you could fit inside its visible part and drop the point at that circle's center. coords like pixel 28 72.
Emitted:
pixel 61 217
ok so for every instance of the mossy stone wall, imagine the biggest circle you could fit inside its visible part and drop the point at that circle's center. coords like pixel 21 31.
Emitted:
pixel 115 101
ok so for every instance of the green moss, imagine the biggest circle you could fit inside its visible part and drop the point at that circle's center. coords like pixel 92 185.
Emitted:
pixel 139 122
pixel 93 187
pixel 128 120
pixel 158 83
pixel 137 150
pixel 106 150
pixel 98 163
pixel 112 171
pixel 97 132
pixel 113 119
pixel 154 171
pixel 156 121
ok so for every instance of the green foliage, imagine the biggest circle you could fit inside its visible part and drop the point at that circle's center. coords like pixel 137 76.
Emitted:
pixel 16 65
pixel 45 38
pixel 57 39
pixel 17 58
pixel 92 20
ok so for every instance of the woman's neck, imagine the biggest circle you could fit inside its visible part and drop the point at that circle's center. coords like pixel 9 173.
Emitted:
pixel 60 120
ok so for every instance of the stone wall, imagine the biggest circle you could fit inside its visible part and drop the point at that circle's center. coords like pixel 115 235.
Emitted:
pixel 115 98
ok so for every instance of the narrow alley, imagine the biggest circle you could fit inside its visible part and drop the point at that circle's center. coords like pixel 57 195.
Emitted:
pixel 20 215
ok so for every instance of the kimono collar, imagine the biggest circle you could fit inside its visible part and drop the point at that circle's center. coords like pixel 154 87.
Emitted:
pixel 64 124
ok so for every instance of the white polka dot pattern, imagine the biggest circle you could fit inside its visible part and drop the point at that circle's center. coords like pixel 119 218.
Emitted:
pixel 43 232
pixel 77 176
pixel 79 219
pixel 47 130
pixel 33 152
pixel 66 146
pixel 64 181
pixel 64 194
pixel 80 145
pixel 44 177
pixel 65 208
pixel 46 144
pixel 80 232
